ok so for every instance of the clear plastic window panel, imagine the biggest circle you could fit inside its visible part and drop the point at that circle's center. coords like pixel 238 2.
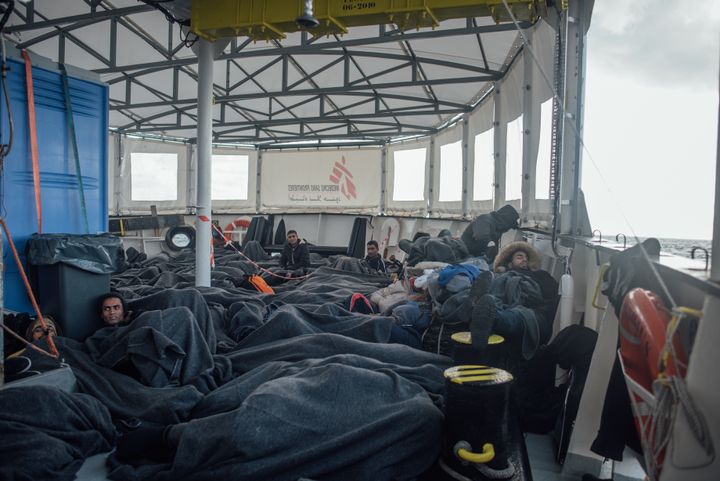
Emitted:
pixel 409 175
pixel 229 177
pixel 153 176
pixel 484 166
pixel 542 166
pixel 513 159
pixel 451 172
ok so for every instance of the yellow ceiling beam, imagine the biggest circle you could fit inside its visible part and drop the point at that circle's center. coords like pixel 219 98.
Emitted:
pixel 271 19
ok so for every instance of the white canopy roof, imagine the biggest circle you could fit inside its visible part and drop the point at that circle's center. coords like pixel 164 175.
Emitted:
pixel 370 85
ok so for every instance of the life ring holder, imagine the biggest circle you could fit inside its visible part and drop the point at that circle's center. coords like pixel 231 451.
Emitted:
pixel 651 355
pixel 239 223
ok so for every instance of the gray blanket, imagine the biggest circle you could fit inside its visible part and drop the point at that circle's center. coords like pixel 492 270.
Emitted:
pixel 521 294
pixel 47 433
pixel 330 422
pixel 298 386
pixel 162 347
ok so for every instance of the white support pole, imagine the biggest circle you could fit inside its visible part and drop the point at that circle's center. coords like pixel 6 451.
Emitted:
pixel 499 149
pixel 383 179
pixel 715 268
pixel 528 148
pixel 118 165
pixel 203 246
pixel 574 32
pixel 466 181
pixel 430 182
pixel 258 183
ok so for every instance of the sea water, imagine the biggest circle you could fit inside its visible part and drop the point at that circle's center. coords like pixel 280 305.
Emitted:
pixel 676 247
pixel 681 247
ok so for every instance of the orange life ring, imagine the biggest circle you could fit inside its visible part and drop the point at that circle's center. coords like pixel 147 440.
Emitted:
pixel 239 223
pixel 643 326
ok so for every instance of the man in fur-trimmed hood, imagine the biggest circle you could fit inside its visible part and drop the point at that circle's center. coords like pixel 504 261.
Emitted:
pixel 506 258
pixel 521 301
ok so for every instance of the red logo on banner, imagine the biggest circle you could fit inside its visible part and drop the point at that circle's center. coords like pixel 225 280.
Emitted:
pixel 343 177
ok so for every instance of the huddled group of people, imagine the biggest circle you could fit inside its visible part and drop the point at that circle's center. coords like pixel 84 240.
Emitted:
pixel 470 282
pixel 295 256
pixel 510 296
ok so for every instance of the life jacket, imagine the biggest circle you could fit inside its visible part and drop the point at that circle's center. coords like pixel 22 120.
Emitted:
pixel 259 284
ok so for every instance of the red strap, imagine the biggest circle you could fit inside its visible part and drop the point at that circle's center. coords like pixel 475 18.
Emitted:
pixel 33 137
pixel 31 296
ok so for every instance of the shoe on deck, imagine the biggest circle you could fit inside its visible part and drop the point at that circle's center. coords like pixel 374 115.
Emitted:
pixel 482 320
pixel 479 288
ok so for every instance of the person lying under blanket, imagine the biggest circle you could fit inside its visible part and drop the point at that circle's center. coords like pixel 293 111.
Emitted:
pixel 113 309
pixel 23 363
pixel 519 304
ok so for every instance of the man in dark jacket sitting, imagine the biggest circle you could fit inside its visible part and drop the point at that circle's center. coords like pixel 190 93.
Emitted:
pixel 295 255
pixel 373 258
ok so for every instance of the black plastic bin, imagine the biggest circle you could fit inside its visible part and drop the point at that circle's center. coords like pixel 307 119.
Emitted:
pixel 70 273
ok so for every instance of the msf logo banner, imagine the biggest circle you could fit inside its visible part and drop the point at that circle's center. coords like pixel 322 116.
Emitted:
pixel 342 176
pixel 342 186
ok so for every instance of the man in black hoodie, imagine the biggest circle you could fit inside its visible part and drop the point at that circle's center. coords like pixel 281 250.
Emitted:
pixel 295 255
pixel 488 228
pixel 373 258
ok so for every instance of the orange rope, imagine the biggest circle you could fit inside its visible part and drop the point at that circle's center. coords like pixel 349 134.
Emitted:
pixel 255 264
pixel 32 128
pixel 50 342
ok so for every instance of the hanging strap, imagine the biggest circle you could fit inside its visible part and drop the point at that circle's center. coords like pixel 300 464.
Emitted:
pixel 73 141
pixel 33 137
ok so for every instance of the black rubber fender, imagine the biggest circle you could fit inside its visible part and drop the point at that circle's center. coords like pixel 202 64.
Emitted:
pixel 188 230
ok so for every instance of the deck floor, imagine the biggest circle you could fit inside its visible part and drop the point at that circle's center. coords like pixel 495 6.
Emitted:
pixel 541 454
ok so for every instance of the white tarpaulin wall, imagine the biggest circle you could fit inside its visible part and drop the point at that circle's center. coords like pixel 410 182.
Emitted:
pixel 136 156
pixel 350 180
pixel 324 180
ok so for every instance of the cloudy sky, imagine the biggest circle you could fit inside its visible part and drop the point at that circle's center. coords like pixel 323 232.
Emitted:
pixel 651 113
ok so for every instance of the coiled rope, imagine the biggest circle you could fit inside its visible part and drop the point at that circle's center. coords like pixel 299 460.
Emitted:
pixel 671 392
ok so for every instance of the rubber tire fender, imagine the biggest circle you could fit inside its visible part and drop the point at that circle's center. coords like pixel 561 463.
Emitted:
pixel 180 229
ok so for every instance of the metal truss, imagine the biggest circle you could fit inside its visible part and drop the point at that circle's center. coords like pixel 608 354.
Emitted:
pixel 385 85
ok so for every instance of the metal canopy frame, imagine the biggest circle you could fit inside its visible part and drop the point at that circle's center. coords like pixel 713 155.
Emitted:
pixel 373 85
